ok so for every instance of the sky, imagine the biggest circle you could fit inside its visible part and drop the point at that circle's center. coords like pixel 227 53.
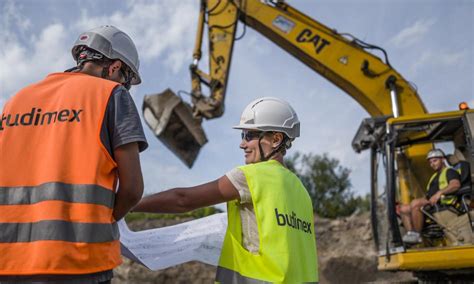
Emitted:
pixel 429 42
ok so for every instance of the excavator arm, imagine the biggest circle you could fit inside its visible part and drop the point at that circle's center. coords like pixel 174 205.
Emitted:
pixel 341 58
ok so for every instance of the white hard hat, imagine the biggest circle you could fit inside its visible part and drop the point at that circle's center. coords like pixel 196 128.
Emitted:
pixel 111 43
pixel 435 153
pixel 270 114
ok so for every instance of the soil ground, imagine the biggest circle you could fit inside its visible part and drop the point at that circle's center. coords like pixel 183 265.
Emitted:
pixel 346 254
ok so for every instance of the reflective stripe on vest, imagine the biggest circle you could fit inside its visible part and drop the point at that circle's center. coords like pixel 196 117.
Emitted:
pixel 284 214
pixel 79 193
pixel 229 276
pixel 57 183
pixel 59 230
pixel 56 230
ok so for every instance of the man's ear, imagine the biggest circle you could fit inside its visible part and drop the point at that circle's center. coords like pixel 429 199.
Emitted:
pixel 114 67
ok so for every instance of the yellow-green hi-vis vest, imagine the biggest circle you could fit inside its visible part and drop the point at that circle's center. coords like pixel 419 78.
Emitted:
pixel 284 213
pixel 442 183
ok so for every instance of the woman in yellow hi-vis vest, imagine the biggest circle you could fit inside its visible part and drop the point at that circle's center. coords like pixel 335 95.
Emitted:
pixel 270 234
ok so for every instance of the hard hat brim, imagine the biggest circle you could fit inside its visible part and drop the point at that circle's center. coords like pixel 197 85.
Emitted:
pixel 136 80
pixel 435 157
pixel 246 126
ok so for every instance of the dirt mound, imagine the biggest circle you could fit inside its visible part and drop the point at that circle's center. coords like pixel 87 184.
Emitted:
pixel 345 250
pixel 347 253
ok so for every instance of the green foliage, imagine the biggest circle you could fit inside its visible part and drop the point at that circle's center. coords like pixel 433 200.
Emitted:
pixel 328 184
pixel 198 213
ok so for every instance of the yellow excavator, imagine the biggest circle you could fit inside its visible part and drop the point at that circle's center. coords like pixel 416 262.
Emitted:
pixel 399 133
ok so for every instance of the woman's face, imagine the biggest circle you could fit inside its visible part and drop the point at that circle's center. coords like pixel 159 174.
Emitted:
pixel 249 144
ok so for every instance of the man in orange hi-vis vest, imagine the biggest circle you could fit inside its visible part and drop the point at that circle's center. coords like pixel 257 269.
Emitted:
pixel 70 168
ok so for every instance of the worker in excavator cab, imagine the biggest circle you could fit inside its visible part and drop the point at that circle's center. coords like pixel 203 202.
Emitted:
pixel 444 181
pixel 270 234
pixel 66 142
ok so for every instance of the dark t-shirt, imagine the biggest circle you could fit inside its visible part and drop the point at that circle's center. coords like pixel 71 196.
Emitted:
pixel 121 126
pixel 434 185
pixel 121 123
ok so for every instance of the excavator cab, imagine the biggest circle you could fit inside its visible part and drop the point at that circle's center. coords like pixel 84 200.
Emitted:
pixel 396 179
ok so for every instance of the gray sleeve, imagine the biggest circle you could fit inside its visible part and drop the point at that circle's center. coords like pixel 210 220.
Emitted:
pixel 239 181
pixel 122 123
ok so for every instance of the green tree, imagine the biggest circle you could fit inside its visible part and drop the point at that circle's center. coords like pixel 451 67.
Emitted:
pixel 328 184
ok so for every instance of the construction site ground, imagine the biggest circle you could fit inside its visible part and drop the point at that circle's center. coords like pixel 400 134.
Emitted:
pixel 346 254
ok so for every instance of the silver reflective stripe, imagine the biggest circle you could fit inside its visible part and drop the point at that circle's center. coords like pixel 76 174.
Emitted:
pixel 226 276
pixel 77 193
pixel 58 231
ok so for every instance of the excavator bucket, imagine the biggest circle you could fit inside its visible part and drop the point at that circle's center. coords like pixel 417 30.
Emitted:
pixel 173 123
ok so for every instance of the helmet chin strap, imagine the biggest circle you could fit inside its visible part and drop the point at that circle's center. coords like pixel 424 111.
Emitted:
pixel 264 158
pixel 260 149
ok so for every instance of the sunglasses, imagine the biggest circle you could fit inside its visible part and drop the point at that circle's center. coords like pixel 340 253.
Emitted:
pixel 250 135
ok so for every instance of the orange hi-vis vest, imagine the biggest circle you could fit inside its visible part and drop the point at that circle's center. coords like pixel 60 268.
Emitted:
pixel 57 181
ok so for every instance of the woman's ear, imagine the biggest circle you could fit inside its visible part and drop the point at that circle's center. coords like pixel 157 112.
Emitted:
pixel 277 139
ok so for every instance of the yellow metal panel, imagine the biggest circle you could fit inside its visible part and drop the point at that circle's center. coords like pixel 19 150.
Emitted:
pixel 430 259
pixel 428 117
